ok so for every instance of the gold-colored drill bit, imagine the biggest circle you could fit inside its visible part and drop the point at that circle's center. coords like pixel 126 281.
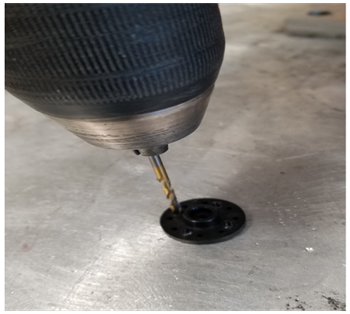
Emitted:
pixel 163 178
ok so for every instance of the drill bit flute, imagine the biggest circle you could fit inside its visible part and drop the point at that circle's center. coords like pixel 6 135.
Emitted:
pixel 163 178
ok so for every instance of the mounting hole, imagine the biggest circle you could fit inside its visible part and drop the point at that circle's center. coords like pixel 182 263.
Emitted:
pixel 228 224
pixel 216 204
pixel 184 206
pixel 186 232
pixel 199 235
pixel 221 231
pixel 174 228
pixel 205 203
pixel 229 208
pixel 170 218
pixel 200 214
pixel 235 218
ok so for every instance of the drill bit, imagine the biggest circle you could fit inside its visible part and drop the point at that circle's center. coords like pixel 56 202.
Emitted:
pixel 163 178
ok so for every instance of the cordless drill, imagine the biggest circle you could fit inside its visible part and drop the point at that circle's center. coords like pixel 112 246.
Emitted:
pixel 119 76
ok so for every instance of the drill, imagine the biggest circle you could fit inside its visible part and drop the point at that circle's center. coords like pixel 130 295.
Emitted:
pixel 119 76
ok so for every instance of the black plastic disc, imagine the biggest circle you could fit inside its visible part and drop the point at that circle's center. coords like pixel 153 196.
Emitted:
pixel 203 221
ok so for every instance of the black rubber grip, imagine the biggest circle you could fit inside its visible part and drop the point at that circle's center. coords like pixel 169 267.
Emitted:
pixel 108 60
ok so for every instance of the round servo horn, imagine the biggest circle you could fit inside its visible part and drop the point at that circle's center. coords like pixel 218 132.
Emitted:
pixel 203 221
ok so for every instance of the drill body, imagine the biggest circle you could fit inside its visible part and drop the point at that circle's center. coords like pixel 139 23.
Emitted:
pixel 119 76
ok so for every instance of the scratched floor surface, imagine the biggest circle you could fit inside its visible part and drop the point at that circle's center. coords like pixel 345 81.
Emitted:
pixel 82 230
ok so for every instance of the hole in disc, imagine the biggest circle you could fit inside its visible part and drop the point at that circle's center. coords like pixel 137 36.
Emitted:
pixel 174 228
pixel 186 232
pixel 228 224
pixel 216 204
pixel 200 213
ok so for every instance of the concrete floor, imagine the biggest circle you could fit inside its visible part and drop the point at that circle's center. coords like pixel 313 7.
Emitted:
pixel 82 230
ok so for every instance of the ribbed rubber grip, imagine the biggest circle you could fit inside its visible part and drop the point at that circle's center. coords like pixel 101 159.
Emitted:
pixel 109 60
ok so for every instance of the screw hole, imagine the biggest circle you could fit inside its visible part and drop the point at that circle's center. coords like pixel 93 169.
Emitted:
pixel 174 228
pixel 199 235
pixel 186 232
pixel 216 204
pixel 200 213
pixel 228 224
pixel 221 231
pixel 235 218
pixel 229 208
pixel 170 218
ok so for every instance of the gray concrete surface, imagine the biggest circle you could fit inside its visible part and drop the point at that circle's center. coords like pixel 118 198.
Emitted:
pixel 82 230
